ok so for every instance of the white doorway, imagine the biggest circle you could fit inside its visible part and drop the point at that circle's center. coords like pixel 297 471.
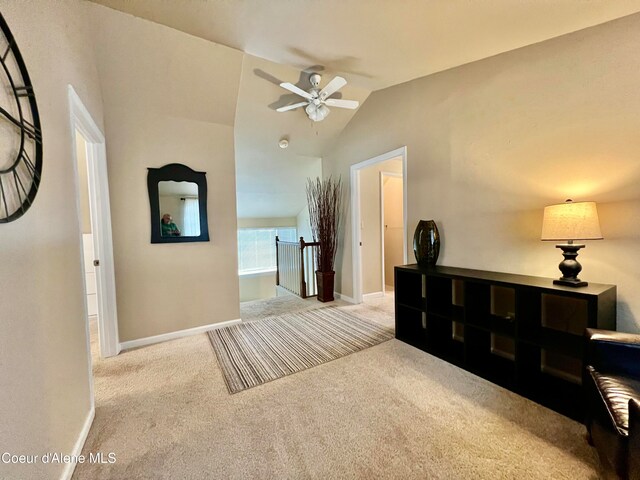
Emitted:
pixel 92 190
pixel 367 221
pixel 90 284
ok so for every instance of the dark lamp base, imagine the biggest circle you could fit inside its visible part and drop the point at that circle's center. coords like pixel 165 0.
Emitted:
pixel 570 267
pixel 570 282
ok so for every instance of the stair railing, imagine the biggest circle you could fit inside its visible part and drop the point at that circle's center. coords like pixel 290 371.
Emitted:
pixel 296 267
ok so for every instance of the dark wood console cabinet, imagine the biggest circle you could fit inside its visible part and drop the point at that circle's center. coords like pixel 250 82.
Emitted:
pixel 523 333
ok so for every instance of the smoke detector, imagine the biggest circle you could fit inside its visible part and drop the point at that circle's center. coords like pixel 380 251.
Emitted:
pixel 283 143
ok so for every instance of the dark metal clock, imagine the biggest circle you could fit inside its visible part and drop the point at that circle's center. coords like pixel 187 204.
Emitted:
pixel 20 133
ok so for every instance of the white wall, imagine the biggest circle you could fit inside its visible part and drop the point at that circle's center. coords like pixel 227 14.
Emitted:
pixel 169 98
pixel 303 226
pixel 44 378
pixel 266 222
pixel 90 276
pixel 492 142
pixel 257 286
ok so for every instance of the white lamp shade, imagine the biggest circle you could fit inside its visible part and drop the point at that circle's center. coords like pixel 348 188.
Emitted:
pixel 571 221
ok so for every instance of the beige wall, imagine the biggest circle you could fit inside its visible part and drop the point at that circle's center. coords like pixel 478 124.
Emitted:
pixel 44 393
pixel 169 97
pixel 393 226
pixel 492 142
pixel 83 183
pixel 370 216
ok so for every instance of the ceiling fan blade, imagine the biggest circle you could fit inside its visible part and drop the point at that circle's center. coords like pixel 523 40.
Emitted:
pixel 334 102
pixel 291 107
pixel 333 86
pixel 292 88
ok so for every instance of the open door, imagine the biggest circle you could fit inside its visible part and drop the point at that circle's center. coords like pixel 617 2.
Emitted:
pixel 100 213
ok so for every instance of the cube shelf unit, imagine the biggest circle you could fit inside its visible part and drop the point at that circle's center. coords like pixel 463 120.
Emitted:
pixel 521 332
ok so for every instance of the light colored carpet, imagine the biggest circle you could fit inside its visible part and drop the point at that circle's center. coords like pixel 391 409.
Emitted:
pixel 379 309
pixel 285 303
pixel 387 412
pixel 257 352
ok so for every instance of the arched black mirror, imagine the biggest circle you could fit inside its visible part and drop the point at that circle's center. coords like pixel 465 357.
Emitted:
pixel 178 200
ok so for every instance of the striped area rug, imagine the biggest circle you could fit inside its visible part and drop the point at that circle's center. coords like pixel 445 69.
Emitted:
pixel 260 351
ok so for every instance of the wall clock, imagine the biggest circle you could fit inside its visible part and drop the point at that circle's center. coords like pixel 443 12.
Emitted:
pixel 20 132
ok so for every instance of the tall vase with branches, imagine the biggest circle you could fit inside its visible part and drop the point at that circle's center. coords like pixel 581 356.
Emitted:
pixel 324 200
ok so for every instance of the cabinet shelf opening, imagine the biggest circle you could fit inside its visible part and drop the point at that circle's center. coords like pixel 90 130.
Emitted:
pixel 457 331
pixel 561 366
pixel 565 314
pixel 503 302
pixel 502 346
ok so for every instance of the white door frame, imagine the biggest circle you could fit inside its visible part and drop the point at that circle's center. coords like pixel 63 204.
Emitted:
pixel 382 229
pixel 82 122
pixel 356 252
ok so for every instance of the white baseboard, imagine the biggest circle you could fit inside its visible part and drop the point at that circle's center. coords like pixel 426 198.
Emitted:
pixel 340 296
pixel 77 448
pixel 141 342
pixel 367 296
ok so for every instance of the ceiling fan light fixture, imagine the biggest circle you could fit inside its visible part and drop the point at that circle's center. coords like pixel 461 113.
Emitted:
pixel 323 111
pixel 316 109
pixel 317 113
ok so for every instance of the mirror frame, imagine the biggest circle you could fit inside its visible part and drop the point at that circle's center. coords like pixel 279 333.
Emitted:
pixel 176 172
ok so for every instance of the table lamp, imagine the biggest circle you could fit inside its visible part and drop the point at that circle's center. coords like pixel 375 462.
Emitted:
pixel 571 221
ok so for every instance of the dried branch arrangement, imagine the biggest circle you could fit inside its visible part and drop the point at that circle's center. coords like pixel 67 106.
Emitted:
pixel 324 200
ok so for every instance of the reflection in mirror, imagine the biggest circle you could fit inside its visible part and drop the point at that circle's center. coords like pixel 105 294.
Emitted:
pixel 179 209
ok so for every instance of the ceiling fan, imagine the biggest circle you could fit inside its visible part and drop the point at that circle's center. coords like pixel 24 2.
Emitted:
pixel 318 100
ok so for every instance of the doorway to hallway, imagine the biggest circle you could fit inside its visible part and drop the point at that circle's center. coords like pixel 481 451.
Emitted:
pixel 378 225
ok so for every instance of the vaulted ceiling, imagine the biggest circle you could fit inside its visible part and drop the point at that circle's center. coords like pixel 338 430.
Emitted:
pixel 374 44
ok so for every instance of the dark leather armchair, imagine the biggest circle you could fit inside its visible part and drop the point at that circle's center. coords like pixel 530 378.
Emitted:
pixel 612 386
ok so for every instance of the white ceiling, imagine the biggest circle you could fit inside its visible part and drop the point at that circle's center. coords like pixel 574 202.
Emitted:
pixel 374 44
pixel 377 43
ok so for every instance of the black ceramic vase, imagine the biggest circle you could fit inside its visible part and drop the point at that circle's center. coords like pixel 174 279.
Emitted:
pixel 426 243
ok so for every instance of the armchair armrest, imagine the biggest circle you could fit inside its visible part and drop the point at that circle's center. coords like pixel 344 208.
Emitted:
pixel 634 439
pixel 613 352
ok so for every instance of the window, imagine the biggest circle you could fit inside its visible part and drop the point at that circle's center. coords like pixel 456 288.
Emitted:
pixel 257 247
pixel 191 217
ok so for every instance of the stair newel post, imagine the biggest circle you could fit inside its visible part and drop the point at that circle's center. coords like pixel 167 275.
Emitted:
pixel 303 284
pixel 277 263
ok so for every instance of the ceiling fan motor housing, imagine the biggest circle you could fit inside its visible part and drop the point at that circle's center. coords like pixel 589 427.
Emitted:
pixel 314 80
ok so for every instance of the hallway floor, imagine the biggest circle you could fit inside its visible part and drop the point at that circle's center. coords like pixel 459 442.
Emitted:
pixel 388 412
